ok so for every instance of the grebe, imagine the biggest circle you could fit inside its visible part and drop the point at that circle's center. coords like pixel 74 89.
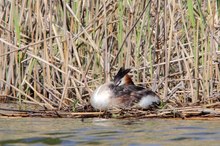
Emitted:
pixel 139 96
pixel 123 93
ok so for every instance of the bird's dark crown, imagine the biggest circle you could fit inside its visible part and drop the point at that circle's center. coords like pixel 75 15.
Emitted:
pixel 121 74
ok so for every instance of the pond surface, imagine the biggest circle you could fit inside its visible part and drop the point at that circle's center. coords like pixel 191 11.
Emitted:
pixel 149 132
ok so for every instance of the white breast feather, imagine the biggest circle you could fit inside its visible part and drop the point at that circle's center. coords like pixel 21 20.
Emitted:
pixel 148 100
pixel 101 97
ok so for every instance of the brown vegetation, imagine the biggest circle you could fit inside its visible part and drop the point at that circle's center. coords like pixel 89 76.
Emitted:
pixel 55 53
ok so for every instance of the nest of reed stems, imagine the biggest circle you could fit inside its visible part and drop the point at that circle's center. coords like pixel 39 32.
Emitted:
pixel 53 54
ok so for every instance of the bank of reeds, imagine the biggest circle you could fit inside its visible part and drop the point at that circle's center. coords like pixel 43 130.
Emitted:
pixel 55 53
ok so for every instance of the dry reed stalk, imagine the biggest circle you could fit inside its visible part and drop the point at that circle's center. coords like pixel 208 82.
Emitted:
pixel 64 94
pixel 44 99
pixel 21 92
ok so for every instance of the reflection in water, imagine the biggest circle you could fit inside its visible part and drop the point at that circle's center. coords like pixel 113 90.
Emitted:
pixel 151 132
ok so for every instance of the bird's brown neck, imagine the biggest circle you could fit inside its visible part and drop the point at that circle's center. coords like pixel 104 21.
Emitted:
pixel 128 80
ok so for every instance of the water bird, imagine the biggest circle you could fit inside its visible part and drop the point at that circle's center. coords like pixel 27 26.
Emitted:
pixel 123 93
pixel 139 96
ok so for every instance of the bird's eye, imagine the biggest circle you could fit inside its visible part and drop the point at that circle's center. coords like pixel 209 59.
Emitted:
pixel 119 82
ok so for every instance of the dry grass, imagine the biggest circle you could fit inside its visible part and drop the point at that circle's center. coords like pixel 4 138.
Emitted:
pixel 55 53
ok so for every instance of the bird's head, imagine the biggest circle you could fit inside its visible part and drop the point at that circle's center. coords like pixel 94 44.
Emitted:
pixel 122 77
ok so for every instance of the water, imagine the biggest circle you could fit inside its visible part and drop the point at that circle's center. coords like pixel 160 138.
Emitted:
pixel 149 132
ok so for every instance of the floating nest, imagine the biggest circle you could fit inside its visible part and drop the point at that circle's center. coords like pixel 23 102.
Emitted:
pixel 211 111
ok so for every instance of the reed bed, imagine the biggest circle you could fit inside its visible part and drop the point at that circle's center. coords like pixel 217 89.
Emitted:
pixel 55 53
